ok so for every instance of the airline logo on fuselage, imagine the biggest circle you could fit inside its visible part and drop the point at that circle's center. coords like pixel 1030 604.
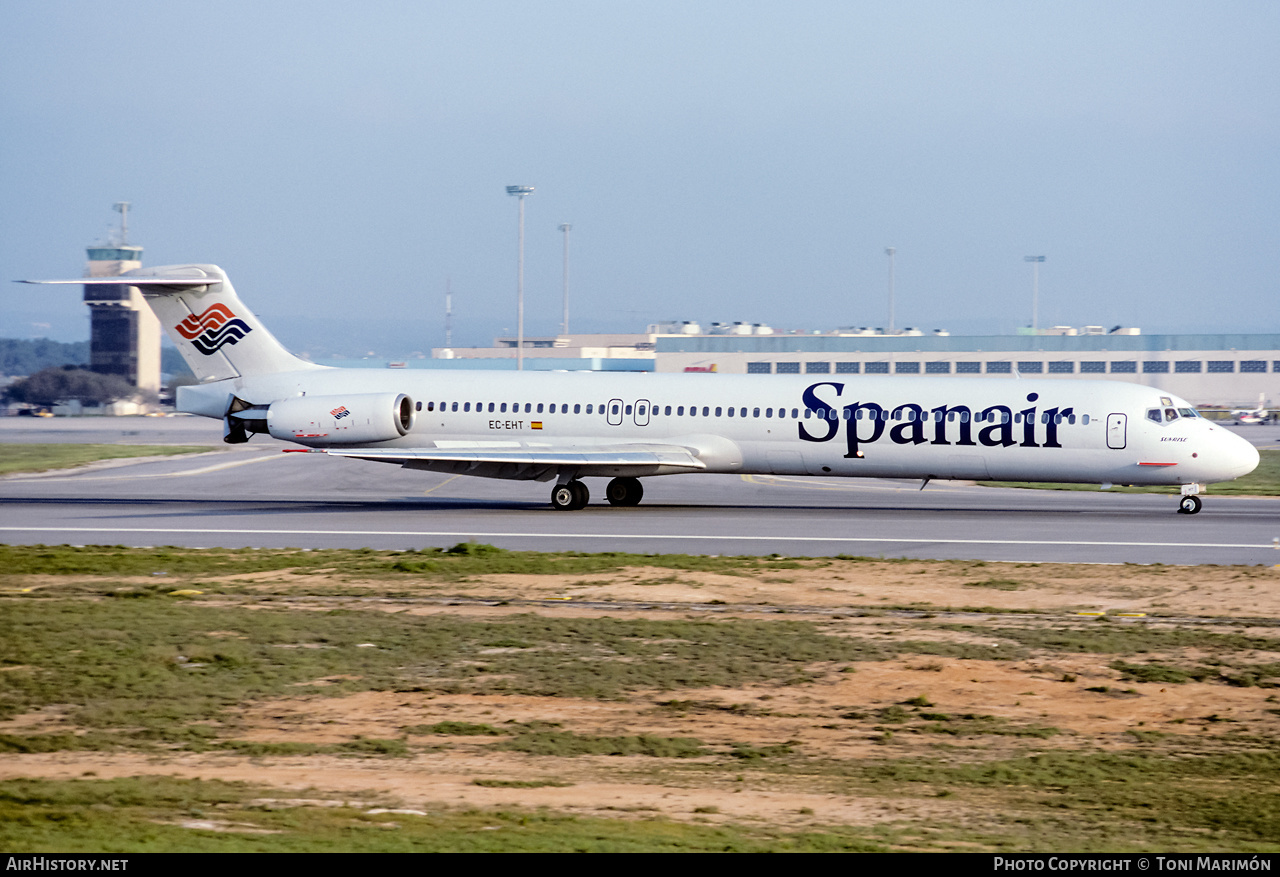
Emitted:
pixel 867 422
pixel 214 329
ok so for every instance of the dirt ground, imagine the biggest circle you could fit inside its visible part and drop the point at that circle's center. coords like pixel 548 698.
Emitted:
pixel 833 717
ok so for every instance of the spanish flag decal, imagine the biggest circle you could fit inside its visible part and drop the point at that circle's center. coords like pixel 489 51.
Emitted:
pixel 537 424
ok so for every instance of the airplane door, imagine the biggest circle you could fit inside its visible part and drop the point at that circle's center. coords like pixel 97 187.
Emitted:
pixel 1116 426
pixel 642 412
pixel 614 415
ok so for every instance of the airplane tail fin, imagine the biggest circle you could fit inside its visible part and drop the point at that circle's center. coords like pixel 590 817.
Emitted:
pixel 215 333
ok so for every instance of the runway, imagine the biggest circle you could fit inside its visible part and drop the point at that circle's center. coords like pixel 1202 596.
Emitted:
pixel 255 496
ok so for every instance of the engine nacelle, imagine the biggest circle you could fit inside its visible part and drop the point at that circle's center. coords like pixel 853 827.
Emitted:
pixel 344 420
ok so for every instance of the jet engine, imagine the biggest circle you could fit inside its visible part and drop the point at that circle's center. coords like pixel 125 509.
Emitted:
pixel 341 420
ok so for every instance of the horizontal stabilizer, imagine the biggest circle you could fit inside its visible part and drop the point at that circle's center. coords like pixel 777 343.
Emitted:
pixel 155 285
pixel 216 334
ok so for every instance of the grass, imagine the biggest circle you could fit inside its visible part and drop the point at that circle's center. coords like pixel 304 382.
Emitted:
pixel 565 743
pixel 153 665
pixel 111 665
pixel 157 814
pixel 1263 481
pixel 42 457
pixel 463 560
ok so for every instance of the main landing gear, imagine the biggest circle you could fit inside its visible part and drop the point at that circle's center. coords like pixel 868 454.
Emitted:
pixel 573 495
pixel 624 491
pixel 570 496
pixel 1190 503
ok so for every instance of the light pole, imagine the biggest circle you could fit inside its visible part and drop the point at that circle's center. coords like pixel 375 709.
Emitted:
pixel 564 324
pixel 1035 291
pixel 520 192
pixel 889 251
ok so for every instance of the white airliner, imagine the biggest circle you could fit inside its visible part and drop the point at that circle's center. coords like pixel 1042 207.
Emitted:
pixel 1253 415
pixel 566 426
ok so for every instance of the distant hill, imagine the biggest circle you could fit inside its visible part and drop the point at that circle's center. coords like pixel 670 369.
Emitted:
pixel 26 357
pixel 23 357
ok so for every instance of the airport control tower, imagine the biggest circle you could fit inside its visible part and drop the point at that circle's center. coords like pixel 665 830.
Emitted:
pixel 124 337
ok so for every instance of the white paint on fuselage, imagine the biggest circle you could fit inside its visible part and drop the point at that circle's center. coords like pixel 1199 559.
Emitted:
pixel 1202 452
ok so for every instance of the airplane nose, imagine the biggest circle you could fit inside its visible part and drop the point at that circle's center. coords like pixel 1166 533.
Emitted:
pixel 1239 456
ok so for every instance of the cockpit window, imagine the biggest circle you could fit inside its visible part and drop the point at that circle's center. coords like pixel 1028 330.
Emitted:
pixel 1168 415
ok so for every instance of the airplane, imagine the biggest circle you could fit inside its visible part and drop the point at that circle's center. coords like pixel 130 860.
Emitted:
pixel 1253 415
pixel 563 427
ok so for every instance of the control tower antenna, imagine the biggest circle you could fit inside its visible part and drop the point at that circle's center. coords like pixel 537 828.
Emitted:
pixel 122 207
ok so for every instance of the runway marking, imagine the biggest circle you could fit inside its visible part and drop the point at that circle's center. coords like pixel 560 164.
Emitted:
pixel 679 537
pixel 440 485
pixel 204 471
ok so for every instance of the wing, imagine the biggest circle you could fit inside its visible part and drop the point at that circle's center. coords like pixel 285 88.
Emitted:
pixel 502 460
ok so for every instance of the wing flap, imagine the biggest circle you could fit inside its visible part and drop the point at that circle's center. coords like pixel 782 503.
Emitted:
pixel 616 457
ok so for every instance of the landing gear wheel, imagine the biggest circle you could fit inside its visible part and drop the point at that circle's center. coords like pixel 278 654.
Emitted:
pixel 1189 505
pixel 624 491
pixel 569 497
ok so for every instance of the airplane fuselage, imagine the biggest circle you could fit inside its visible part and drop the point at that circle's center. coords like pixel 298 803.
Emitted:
pixel 838 425
pixel 565 426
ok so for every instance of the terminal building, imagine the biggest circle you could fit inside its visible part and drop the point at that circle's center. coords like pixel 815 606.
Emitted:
pixel 1226 370
pixel 1207 370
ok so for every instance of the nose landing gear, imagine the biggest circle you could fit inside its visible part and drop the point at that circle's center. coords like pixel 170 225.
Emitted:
pixel 1190 503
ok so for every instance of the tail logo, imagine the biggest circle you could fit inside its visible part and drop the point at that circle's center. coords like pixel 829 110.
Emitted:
pixel 212 330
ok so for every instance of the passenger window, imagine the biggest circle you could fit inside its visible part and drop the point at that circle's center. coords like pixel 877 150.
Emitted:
pixel 719 411
pixel 795 413
pixel 731 412
pixel 503 408
pixel 455 406
pixel 466 406
pixel 768 412
pixel 577 408
pixel 706 410
pixel 667 411
pixel 615 409
pixel 539 407
pixel 755 412
pixel 680 411
pixel 628 411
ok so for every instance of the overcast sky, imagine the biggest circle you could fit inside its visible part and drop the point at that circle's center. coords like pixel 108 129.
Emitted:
pixel 719 160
